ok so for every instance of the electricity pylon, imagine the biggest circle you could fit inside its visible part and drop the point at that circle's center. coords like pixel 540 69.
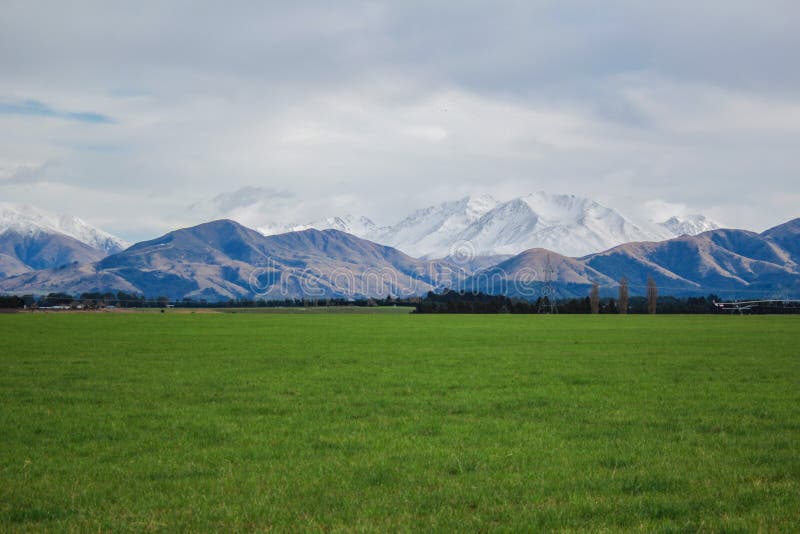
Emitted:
pixel 547 304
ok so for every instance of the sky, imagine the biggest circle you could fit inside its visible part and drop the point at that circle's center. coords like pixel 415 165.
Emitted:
pixel 143 117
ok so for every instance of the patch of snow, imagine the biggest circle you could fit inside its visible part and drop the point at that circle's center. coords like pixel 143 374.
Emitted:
pixel 26 219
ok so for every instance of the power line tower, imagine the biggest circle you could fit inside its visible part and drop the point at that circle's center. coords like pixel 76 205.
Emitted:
pixel 547 304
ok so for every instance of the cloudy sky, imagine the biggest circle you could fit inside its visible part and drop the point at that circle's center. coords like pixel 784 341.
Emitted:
pixel 129 114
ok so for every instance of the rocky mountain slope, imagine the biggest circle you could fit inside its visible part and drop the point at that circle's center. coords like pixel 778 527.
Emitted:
pixel 736 263
pixel 21 252
pixel 223 260
pixel 31 239
pixel 30 220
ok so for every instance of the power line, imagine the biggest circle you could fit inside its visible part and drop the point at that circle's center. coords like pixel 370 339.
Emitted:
pixel 548 302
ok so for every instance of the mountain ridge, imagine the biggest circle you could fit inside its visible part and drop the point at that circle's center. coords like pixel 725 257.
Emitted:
pixel 27 219
pixel 32 239
pixel 222 259
pixel 720 260
pixel 22 252
pixel 567 224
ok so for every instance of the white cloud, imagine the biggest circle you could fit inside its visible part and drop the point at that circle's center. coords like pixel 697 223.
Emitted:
pixel 380 109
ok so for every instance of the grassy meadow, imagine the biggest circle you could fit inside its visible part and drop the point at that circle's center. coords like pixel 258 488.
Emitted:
pixel 389 422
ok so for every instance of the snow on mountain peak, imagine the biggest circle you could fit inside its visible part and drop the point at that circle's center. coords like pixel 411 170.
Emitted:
pixel 568 224
pixel 565 223
pixel 351 224
pixel 26 219
pixel 478 205
pixel 689 225
pixel 433 230
pixel 559 207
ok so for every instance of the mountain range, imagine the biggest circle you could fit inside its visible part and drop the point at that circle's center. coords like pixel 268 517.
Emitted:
pixel 222 260
pixel 32 238
pixel 567 224
pixel 225 260
pixel 42 252
pixel 734 263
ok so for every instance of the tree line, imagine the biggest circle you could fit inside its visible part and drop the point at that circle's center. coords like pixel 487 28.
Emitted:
pixel 442 302
pixel 459 302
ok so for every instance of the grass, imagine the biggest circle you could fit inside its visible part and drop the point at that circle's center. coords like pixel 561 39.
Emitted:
pixel 327 310
pixel 221 422
pixel 381 310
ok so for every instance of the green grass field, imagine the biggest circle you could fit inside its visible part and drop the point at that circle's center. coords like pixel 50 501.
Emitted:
pixel 221 422
pixel 382 310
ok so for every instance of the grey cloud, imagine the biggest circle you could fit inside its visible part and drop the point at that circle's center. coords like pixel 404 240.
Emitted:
pixel 346 101
pixel 247 196
pixel 26 174
pixel 523 47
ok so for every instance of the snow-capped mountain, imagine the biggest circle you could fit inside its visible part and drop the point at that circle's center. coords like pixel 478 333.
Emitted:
pixel 217 260
pixel 722 261
pixel 483 226
pixel 358 226
pixel 436 230
pixel 689 225
pixel 30 220
pixel 571 225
